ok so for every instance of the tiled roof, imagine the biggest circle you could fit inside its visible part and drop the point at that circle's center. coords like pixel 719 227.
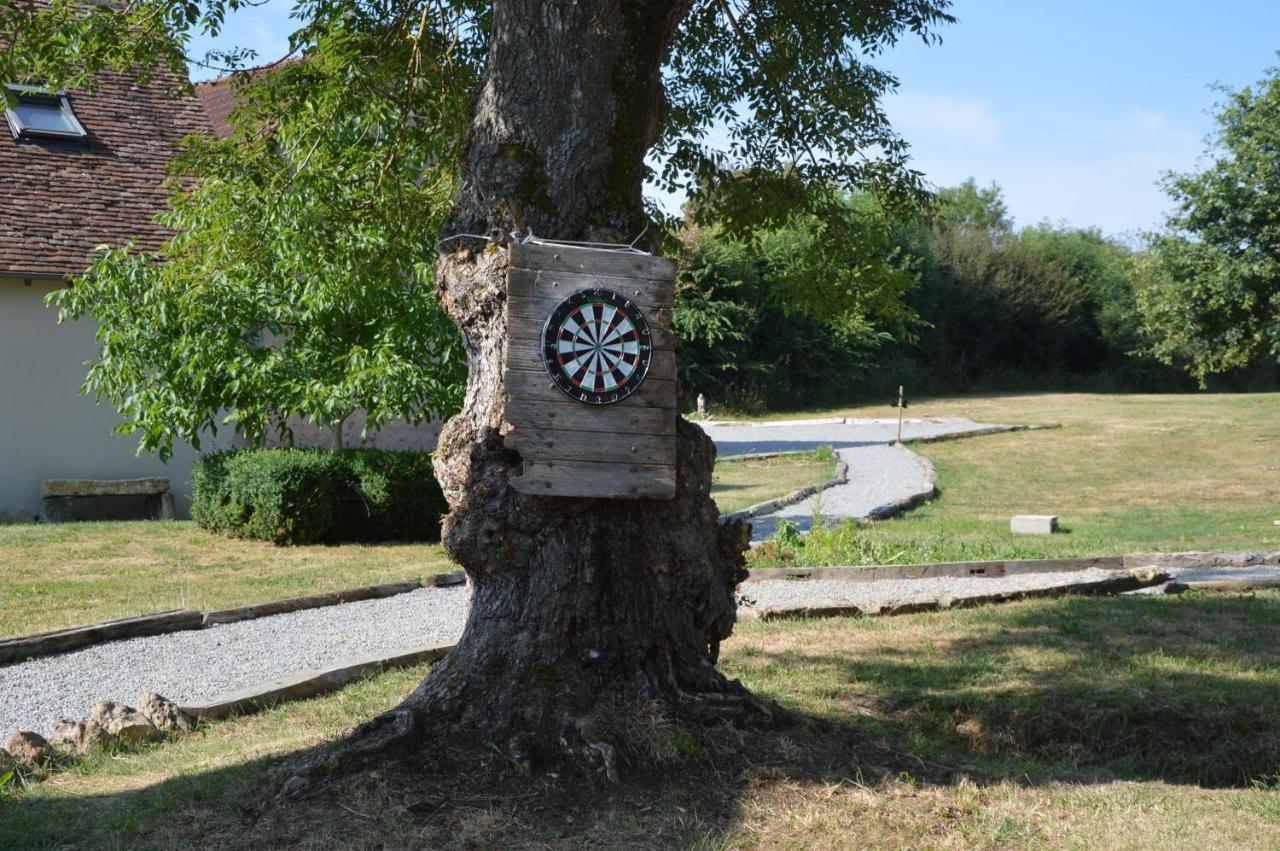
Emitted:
pixel 60 200
pixel 218 97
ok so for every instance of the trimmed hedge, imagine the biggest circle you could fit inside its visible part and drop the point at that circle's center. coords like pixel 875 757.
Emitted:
pixel 309 496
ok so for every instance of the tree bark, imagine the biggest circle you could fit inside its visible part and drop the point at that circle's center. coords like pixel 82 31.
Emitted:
pixel 577 605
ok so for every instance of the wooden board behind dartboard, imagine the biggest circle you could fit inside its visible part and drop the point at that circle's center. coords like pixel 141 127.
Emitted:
pixel 624 450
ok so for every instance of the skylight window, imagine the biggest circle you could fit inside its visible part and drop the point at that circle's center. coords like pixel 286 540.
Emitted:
pixel 42 115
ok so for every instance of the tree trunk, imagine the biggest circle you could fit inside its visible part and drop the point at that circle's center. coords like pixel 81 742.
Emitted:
pixel 577 604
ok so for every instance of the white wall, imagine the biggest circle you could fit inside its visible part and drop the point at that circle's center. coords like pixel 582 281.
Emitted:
pixel 48 430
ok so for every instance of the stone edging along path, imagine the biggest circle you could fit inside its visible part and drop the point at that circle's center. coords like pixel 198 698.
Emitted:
pixel 160 623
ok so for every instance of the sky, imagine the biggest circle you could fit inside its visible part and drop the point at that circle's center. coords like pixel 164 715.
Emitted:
pixel 1075 108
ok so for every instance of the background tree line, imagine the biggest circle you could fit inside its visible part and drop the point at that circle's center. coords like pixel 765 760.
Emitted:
pixel 979 305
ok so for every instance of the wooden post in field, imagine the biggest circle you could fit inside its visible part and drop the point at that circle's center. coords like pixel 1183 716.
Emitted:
pixel 901 403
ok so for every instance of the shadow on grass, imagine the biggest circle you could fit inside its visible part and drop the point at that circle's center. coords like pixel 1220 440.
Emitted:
pixel 1082 690
pixel 1183 690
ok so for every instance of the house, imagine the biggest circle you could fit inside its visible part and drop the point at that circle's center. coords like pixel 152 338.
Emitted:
pixel 79 170
pixel 76 170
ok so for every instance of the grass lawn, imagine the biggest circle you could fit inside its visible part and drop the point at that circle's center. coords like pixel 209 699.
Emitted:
pixel 78 573
pixel 741 484
pixel 1084 723
pixel 1125 474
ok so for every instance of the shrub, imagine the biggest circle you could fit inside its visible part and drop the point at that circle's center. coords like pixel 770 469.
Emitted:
pixel 307 496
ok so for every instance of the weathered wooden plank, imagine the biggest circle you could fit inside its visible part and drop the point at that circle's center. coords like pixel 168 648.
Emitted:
pixel 969 569
pixel 304 684
pixel 533 312
pixel 571 259
pixel 524 347
pixel 555 287
pixel 1119 584
pixel 533 384
pixel 314 601
pixel 568 415
pixel 599 480
pixel 62 640
pixel 561 445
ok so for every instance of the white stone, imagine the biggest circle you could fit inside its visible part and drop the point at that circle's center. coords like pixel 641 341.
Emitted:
pixel 1034 524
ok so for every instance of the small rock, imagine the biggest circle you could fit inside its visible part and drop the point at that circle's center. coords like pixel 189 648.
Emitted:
pixel 164 713
pixel 125 723
pixel 83 736
pixel 64 731
pixel 29 749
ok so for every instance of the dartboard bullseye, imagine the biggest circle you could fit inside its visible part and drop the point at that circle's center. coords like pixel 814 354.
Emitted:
pixel 596 346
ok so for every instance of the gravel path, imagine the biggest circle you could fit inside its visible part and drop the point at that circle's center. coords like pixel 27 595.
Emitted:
pixel 200 664
pixel 879 473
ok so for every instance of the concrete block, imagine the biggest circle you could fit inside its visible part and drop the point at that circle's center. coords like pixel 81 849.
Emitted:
pixel 1034 524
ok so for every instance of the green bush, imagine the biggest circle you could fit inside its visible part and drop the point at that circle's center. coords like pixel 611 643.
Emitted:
pixel 308 496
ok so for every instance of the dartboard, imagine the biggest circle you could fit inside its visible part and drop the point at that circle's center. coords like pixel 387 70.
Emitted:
pixel 596 346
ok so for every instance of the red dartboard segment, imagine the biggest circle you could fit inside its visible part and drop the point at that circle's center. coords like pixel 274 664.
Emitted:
pixel 596 346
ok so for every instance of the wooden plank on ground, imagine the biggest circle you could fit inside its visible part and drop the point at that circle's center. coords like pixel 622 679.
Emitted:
pixel 314 601
pixel 971 569
pixel 585 479
pixel 60 641
pixel 310 683
pixel 1119 584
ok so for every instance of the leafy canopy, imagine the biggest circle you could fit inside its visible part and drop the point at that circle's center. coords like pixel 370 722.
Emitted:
pixel 298 282
pixel 1212 299
pixel 317 222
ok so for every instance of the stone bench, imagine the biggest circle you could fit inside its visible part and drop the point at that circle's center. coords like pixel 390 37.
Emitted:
pixel 59 495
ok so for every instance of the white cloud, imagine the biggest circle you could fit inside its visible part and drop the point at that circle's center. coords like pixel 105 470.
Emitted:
pixel 960 117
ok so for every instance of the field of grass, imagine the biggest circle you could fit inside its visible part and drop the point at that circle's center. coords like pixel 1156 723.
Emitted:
pixel 1125 474
pixel 58 576
pixel 741 484
pixel 1089 722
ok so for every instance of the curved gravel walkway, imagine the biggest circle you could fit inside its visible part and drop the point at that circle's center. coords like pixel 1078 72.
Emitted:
pixel 880 474
pixel 200 664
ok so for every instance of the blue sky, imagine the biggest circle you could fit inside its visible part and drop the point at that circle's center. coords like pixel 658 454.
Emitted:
pixel 1075 109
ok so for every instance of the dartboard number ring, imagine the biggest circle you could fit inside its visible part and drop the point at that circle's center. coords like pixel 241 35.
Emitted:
pixel 596 346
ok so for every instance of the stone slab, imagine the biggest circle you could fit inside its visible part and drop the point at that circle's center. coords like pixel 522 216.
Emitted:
pixel 152 486
pixel 1034 524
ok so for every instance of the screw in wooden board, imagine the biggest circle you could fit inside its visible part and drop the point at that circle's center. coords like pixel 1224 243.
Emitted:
pixel 557 256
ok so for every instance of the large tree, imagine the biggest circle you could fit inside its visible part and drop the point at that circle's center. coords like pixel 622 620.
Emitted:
pixel 1212 298
pixel 582 606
